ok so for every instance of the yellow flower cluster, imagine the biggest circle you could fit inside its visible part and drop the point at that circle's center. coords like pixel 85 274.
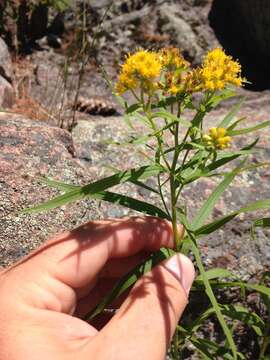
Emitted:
pixel 220 70
pixel 172 59
pixel 139 69
pixel 217 138
pixel 144 70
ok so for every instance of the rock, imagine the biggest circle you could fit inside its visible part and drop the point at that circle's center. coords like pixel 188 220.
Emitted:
pixel 180 30
pixel 133 23
pixel 6 70
pixel 7 96
pixel 30 149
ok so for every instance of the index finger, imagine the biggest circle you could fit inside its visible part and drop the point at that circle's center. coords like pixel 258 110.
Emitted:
pixel 75 258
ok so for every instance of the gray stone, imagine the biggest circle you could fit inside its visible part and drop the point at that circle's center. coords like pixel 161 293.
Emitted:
pixel 5 62
pixel 7 96
pixel 30 150
pixel 180 30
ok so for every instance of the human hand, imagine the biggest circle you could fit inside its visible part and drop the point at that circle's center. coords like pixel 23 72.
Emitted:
pixel 43 297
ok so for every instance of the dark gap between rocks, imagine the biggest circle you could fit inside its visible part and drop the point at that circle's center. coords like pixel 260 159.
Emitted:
pixel 243 29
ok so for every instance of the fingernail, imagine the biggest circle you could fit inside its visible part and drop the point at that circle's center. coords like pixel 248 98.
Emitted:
pixel 182 269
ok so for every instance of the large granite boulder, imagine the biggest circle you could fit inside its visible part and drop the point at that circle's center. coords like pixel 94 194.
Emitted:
pixel 6 70
pixel 7 95
pixel 30 149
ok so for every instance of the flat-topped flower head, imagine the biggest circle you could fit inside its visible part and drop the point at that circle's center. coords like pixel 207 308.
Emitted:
pixel 139 69
pixel 217 138
pixel 220 70
pixel 172 59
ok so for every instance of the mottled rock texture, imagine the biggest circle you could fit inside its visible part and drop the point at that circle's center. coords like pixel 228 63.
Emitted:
pixel 6 70
pixel 7 95
pixel 29 150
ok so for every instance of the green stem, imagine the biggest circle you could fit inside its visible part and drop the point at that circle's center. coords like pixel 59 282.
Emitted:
pixel 155 128
pixel 173 187
pixel 211 295
pixel 266 340
pixel 174 213
pixel 161 195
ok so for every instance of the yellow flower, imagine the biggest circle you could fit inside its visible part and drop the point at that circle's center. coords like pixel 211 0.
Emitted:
pixel 172 59
pixel 217 138
pixel 139 69
pixel 219 70
pixel 192 81
pixel 180 82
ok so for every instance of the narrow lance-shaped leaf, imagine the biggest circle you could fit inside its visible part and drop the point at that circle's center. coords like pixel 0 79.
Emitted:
pixel 234 124
pixel 129 279
pixel 79 193
pixel 216 224
pixel 209 204
pixel 208 289
pixel 114 198
pixel 207 171
pixel 171 117
pixel 217 351
pixel 238 312
pixel 212 298
pixel 263 222
pixel 131 203
pixel 225 94
pixel 249 129
pixel 216 273
pixel 188 174
pixel 262 289
pixel 229 117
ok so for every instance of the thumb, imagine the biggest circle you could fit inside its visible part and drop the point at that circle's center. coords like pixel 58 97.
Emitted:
pixel 145 323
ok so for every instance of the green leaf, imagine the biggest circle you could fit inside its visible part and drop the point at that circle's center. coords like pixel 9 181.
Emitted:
pixel 129 279
pixel 82 192
pixel 188 174
pixel 248 130
pixel 208 288
pixel 263 222
pixel 212 351
pixel 202 348
pixel 61 5
pixel 58 184
pixel 166 101
pixel 207 171
pixel 196 121
pixel 133 108
pixel 224 95
pixel 128 120
pixel 216 224
pixel 171 117
pixel 238 312
pixel 143 139
pixel 216 273
pixel 212 298
pixel 200 320
pixel 209 204
pixel 114 198
pixel 229 117
pixel 130 203
pixel 233 126
pixel 259 288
